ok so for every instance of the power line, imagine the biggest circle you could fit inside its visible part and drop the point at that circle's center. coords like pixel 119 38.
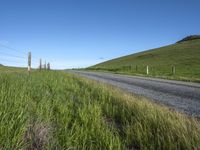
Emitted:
pixel 13 49
pixel 10 55
pixel 35 60
pixel 5 60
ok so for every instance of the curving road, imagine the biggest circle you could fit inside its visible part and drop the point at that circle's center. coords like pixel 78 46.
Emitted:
pixel 182 96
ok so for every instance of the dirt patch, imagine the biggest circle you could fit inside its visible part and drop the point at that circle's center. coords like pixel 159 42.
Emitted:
pixel 37 136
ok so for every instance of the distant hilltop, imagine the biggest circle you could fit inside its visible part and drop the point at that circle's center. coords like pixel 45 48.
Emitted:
pixel 189 38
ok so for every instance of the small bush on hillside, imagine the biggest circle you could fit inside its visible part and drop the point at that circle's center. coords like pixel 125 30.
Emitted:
pixel 188 38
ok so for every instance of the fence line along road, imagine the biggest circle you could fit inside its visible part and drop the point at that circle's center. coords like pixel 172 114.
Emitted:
pixel 19 58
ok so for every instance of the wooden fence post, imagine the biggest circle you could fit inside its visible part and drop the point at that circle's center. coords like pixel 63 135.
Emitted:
pixel 136 68
pixel 40 67
pixel 173 70
pixel 48 66
pixel 45 65
pixel 29 61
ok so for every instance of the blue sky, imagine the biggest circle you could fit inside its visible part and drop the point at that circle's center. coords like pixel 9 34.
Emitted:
pixel 80 33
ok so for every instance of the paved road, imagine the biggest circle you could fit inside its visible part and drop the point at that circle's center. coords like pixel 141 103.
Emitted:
pixel 183 96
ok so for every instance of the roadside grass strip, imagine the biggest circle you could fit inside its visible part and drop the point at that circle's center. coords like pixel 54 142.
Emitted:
pixel 56 110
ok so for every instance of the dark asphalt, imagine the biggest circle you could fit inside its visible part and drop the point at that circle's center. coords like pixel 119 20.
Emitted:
pixel 182 96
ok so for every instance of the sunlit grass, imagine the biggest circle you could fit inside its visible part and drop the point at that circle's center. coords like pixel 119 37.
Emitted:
pixel 56 110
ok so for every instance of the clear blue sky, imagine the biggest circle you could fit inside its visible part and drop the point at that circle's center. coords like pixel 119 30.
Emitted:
pixel 80 33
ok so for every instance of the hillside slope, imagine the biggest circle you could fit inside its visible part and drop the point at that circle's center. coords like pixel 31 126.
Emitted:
pixel 185 56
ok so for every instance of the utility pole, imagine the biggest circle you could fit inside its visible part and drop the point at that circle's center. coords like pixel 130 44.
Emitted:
pixel 29 61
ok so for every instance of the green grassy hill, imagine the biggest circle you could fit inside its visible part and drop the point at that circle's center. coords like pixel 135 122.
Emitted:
pixel 184 55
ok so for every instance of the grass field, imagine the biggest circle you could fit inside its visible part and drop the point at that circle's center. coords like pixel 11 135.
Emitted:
pixel 185 56
pixel 56 110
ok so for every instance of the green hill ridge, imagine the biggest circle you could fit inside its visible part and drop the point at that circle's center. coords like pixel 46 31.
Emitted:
pixel 184 55
pixel 189 38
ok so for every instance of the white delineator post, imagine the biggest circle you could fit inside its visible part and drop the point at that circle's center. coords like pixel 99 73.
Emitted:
pixel 147 70
pixel 29 61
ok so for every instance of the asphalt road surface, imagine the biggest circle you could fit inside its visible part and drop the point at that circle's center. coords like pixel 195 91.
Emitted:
pixel 182 96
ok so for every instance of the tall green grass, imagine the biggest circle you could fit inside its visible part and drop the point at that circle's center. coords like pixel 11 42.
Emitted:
pixel 56 110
